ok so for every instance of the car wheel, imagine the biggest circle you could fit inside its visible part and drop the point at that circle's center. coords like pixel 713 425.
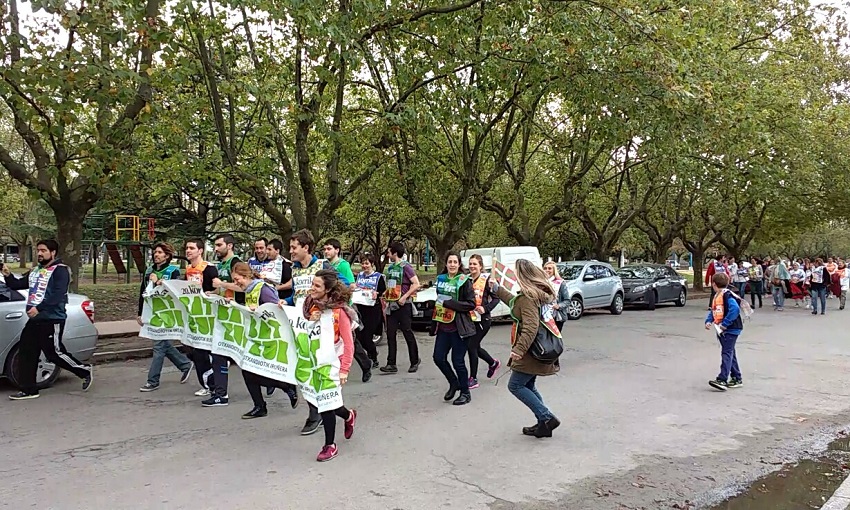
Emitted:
pixel 45 375
pixel 576 309
pixel 651 300
pixel 617 304
pixel 683 298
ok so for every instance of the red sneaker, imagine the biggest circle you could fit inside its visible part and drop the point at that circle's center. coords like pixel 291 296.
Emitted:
pixel 328 452
pixel 349 424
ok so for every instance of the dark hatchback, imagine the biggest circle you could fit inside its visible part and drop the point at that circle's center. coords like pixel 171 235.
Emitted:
pixel 651 284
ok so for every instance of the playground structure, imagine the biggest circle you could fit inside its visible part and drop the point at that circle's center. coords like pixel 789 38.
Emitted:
pixel 133 236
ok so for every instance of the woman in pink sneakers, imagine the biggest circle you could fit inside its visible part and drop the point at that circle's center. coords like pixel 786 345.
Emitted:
pixel 329 293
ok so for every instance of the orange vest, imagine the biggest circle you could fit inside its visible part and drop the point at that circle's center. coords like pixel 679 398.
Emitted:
pixel 478 287
pixel 717 307
pixel 196 273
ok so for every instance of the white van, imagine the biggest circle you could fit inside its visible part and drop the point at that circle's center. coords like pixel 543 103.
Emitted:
pixel 507 255
pixel 423 304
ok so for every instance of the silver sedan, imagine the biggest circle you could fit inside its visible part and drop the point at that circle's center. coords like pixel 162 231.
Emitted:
pixel 80 337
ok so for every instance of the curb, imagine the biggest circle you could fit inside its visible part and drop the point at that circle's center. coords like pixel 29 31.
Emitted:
pixel 840 499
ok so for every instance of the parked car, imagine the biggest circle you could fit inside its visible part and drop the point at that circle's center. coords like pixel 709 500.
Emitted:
pixel 652 284
pixel 423 304
pixel 592 284
pixel 80 336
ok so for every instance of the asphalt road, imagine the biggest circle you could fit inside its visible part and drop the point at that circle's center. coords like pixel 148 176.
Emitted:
pixel 641 429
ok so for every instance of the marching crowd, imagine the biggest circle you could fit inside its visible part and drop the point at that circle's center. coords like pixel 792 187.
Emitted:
pixel 810 283
pixel 365 304
pixel 361 305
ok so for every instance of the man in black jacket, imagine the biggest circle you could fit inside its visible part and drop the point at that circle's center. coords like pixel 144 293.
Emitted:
pixel 48 293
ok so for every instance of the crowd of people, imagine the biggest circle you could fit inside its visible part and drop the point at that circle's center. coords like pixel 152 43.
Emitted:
pixel 362 307
pixel 809 283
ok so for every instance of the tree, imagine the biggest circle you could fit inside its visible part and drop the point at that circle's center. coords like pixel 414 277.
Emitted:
pixel 76 105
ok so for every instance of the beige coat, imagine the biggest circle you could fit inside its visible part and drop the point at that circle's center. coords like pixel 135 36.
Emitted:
pixel 527 313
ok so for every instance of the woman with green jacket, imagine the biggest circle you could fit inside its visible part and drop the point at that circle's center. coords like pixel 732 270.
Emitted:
pixel 536 292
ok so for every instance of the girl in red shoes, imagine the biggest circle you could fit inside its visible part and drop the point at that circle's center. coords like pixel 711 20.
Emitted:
pixel 329 293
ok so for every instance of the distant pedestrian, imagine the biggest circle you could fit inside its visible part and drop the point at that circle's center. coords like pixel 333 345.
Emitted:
pixel 725 316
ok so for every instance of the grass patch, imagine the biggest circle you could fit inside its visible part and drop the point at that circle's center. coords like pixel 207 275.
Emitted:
pixel 113 301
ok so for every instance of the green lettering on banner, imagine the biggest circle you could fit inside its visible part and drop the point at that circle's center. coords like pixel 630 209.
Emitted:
pixel 165 312
pixel 201 317
pixel 234 328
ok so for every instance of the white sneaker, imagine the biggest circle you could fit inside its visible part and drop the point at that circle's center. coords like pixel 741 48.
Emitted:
pixel 203 392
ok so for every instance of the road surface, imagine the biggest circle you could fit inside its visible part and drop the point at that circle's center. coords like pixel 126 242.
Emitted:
pixel 641 429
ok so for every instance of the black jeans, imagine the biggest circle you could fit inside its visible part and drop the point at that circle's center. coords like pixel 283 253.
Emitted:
pixel 474 349
pixel 45 336
pixel 451 341
pixel 254 383
pixel 755 290
pixel 329 422
pixel 401 319
pixel 203 368
pixel 220 375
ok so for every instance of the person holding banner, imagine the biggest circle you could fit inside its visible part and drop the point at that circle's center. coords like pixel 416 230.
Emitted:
pixel 270 268
pixel 402 284
pixel 155 274
pixel 203 273
pixel 328 292
pixel 369 285
pixel 453 327
pixel 275 248
pixel 257 293
pixel 535 294
pixel 485 302
pixel 224 284
pixel 305 265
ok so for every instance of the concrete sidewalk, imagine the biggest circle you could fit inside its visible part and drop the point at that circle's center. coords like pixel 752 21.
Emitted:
pixel 113 329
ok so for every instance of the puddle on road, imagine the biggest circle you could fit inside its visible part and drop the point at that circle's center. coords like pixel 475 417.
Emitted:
pixel 805 485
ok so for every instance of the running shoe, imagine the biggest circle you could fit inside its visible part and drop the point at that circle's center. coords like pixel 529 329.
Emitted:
pixel 311 427
pixel 149 387
pixel 735 383
pixel 89 379
pixel 492 369
pixel 23 396
pixel 473 383
pixel 215 402
pixel 328 452
pixel 187 373
pixel 349 424
pixel 717 384
pixel 203 392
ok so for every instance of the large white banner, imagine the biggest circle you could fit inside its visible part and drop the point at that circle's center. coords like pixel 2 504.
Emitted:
pixel 272 341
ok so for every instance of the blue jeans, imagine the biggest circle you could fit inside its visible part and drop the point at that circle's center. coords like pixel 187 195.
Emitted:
pixel 728 357
pixel 818 294
pixel 451 341
pixel 522 387
pixel 779 296
pixel 161 350
pixel 742 287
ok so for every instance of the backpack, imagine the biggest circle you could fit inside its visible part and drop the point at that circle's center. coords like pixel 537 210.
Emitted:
pixel 547 346
pixel 746 310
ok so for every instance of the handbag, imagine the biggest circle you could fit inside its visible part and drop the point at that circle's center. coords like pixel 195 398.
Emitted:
pixel 547 346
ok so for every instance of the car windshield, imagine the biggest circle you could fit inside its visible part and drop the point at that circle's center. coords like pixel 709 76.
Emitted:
pixel 636 272
pixel 569 271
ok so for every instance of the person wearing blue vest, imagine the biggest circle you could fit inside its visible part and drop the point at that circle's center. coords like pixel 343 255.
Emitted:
pixel 48 294
pixel 159 271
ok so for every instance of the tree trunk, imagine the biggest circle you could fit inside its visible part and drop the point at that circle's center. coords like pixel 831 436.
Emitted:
pixel 661 251
pixel 70 239
pixel 697 257
pixel 22 255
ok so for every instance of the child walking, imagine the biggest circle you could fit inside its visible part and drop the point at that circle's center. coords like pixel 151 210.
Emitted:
pixel 725 314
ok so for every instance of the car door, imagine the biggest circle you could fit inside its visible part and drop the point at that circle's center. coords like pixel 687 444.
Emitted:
pixel 596 287
pixel 677 281
pixel 12 317
pixel 609 284
pixel 661 282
